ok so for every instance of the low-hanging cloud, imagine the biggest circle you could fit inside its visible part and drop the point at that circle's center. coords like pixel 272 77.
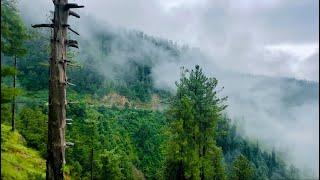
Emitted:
pixel 233 39
pixel 234 34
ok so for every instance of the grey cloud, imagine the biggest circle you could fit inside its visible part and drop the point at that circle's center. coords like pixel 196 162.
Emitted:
pixel 234 35
pixel 309 68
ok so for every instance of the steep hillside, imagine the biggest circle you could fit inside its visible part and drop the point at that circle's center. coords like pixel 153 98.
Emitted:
pixel 17 160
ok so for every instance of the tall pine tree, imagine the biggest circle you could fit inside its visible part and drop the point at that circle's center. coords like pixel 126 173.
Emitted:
pixel 192 152
pixel 13 36
pixel 242 169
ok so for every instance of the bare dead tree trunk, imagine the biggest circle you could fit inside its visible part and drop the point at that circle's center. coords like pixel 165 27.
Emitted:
pixel 57 87
pixel 13 105
pixel 57 94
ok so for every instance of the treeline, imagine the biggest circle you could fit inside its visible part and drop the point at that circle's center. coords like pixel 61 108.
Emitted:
pixel 137 144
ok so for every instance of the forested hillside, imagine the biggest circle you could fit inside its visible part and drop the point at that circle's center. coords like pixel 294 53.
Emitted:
pixel 123 125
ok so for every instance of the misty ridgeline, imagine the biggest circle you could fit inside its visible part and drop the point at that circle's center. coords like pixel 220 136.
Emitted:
pixel 141 108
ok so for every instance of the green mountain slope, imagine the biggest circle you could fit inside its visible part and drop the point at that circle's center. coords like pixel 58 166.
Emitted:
pixel 17 160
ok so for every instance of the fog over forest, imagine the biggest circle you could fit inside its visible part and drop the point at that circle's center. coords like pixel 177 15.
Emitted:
pixel 255 50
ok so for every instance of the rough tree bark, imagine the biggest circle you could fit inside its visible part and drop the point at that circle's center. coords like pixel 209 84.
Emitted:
pixel 13 105
pixel 57 87
pixel 57 94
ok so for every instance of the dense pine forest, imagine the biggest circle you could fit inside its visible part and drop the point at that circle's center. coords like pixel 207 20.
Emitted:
pixel 122 125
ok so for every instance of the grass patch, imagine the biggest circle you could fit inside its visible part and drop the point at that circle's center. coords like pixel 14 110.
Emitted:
pixel 18 161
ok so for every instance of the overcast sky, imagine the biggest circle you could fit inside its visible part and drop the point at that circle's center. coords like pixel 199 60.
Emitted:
pixel 269 37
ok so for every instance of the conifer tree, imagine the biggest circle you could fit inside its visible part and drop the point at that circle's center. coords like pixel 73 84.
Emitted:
pixel 13 36
pixel 92 121
pixel 242 169
pixel 193 114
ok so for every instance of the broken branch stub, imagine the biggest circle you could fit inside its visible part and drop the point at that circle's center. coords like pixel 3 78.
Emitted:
pixel 42 25
pixel 73 45
pixel 72 5
pixel 72 13
pixel 69 144
pixel 72 42
pixel 73 31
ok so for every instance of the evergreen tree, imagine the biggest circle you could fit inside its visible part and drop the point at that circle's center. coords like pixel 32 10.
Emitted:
pixel 32 124
pixel 242 169
pixel 13 36
pixel 7 92
pixel 293 173
pixel 192 151
pixel 92 121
